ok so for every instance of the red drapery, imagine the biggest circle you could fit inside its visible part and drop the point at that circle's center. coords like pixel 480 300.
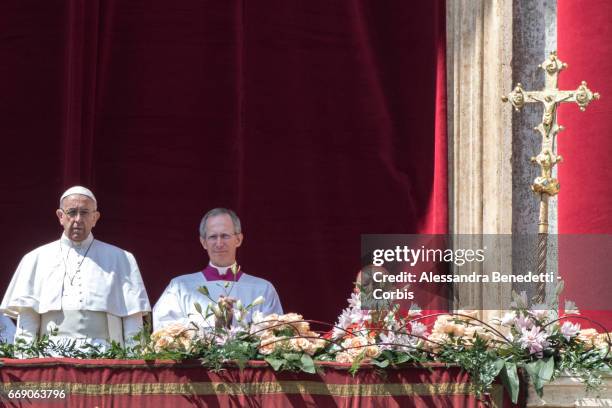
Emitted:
pixel 316 121
pixel 122 383
pixel 585 201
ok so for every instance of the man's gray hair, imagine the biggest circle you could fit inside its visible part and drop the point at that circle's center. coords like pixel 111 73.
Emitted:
pixel 220 211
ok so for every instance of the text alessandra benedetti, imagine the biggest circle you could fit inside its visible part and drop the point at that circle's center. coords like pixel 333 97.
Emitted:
pixel 430 277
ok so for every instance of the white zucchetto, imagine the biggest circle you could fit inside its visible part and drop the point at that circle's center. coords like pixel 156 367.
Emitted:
pixel 78 190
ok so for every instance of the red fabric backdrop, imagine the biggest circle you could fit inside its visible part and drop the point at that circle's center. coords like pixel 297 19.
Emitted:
pixel 316 121
pixel 585 201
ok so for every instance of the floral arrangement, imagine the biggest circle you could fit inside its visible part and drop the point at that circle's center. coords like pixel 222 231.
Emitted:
pixel 285 332
pixel 535 340
pixel 174 337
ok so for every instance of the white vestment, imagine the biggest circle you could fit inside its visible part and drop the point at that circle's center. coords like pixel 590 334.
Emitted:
pixel 176 304
pixel 7 329
pixel 81 280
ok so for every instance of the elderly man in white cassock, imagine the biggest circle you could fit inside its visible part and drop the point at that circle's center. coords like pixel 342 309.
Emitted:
pixel 220 236
pixel 77 287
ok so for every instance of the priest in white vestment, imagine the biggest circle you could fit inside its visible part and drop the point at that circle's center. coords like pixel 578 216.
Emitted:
pixel 220 236
pixel 78 287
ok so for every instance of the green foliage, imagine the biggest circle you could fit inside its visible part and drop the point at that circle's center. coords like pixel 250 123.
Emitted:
pixel 44 346
pixel 540 372
pixel 510 378
pixel 587 364
pixel 285 331
pixel 356 363
pixel 237 351
pixel 291 361
pixel 481 363
pixel 198 307
pixel 395 359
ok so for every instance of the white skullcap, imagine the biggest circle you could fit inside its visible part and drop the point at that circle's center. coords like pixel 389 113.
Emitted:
pixel 78 190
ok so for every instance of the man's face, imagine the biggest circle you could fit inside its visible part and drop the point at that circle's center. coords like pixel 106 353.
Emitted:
pixel 78 216
pixel 221 242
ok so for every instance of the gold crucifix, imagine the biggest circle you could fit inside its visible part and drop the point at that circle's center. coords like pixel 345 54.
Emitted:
pixel 546 185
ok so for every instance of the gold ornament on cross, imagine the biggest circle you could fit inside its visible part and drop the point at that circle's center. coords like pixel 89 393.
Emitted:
pixel 546 185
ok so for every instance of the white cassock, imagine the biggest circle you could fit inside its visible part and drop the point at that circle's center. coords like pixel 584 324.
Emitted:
pixel 89 291
pixel 7 330
pixel 176 304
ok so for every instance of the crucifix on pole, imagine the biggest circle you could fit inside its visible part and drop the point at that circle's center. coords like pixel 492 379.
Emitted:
pixel 545 184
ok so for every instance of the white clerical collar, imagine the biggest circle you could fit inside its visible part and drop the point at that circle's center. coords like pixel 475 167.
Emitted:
pixel 222 269
pixel 83 244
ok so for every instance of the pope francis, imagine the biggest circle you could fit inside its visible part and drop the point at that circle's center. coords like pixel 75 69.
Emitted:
pixel 77 287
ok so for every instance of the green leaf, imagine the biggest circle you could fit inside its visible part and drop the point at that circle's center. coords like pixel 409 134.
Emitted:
pixel 292 356
pixel 498 365
pixel 559 288
pixel 548 369
pixel 402 358
pixel 275 363
pixel 356 363
pixel 203 290
pixel 286 332
pixel 198 307
pixel 532 369
pixel 307 364
pixel 540 372
pixel 381 364
pixel 509 377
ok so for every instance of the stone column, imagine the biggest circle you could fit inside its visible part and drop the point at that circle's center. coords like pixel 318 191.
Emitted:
pixel 479 49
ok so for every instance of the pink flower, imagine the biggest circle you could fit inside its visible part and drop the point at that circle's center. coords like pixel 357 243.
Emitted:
pixel 360 317
pixel 569 330
pixel 539 311
pixel 355 300
pixel 534 339
pixel 344 357
pixel 172 337
pixel 523 322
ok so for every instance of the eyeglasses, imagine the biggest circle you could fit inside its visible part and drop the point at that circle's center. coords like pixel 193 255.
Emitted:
pixel 73 212
pixel 224 237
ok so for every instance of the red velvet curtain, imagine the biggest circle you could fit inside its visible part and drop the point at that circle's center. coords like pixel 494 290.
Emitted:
pixel 315 120
pixel 585 201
